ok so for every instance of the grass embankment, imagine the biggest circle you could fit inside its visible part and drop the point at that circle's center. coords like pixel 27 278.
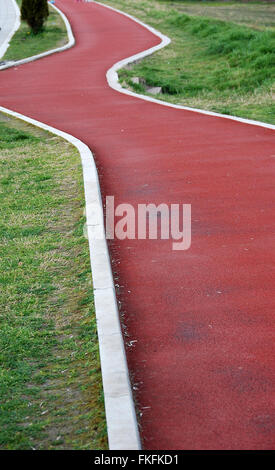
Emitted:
pixel 25 44
pixel 254 14
pixel 210 64
pixel 50 381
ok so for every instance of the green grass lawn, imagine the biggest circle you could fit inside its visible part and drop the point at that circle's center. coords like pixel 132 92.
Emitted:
pixel 211 63
pixel 50 380
pixel 25 44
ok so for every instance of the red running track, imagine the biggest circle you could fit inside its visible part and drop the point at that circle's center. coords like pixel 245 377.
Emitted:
pixel 203 318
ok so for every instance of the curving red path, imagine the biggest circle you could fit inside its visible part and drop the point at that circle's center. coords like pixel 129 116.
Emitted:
pixel 203 318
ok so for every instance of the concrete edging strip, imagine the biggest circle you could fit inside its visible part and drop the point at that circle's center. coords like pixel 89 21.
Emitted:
pixel 16 25
pixel 121 418
pixel 120 411
pixel 70 43
pixel 113 81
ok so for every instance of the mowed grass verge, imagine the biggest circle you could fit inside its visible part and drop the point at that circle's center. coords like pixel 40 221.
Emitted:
pixel 259 15
pixel 50 380
pixel 25 44
pixel 211 64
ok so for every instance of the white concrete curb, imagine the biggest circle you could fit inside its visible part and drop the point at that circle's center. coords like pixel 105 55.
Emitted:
pixel 16 25
pixel 70 43
pixel 112 76
pixel 120 411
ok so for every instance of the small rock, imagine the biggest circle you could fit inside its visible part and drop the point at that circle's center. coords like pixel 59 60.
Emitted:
pixel 154 90
pixel 135 80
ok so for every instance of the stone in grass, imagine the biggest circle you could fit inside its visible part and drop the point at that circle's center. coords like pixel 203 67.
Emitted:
pixel 135 80
pixel 154 90
pixel 138 80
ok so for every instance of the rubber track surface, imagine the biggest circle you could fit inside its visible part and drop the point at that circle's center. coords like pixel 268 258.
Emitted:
pixel 203 363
